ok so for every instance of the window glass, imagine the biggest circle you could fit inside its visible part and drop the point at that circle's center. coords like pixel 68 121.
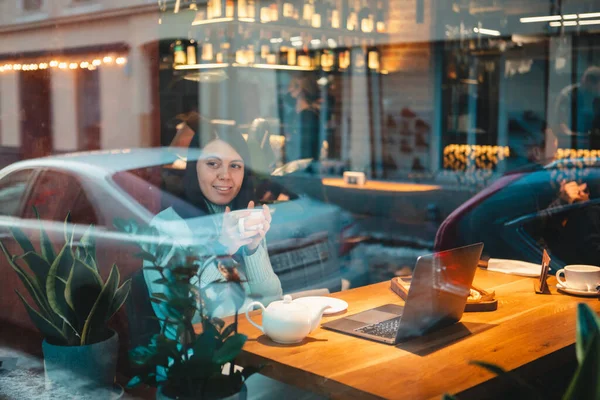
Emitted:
pixel 12 192
pixel 56 194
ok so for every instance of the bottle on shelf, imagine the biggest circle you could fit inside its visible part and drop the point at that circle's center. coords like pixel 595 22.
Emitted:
pixel 264 48
pixel 344 54
pixel 328 55
pixel 242 9
pixel 318 16
pixel 222 53
pixel 229 8
pixel 380 24
pixel 366 18
pixel 274 12
pixel 251 9
pixel 265 13
pixel 303 57
pixel 352 18
pixel 373 62
pixel 191 52
pixel 336 17
pixel 308 11
pixel 288 10
pixel 217 8
pixel 179 56
pixel 287 51
pixel 207 48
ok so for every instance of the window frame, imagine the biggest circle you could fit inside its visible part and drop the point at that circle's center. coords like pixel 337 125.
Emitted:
pixel 33 176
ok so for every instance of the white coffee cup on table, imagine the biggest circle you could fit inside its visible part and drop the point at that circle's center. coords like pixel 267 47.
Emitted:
pixel 579 277
pixel 249 219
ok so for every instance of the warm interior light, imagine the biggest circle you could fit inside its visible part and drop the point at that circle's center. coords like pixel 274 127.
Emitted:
pixel 107 60
pixel 84 64
pixel 121 60
pixel 96 63
pixel 590 22
pixel 73 66
pixel 62 65
pixel 570 16
pixel 590 15
pixel 54 63
pixel 555 24
pixel 43 66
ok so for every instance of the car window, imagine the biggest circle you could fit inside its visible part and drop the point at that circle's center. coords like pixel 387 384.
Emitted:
pixel 55 194
pixel 12 191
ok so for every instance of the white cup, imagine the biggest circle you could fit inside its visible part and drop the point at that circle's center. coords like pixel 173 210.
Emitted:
pixel 580 277
pixel 255 216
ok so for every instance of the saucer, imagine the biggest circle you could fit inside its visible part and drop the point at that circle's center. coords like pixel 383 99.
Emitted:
pixel 576 292
pixel 335 305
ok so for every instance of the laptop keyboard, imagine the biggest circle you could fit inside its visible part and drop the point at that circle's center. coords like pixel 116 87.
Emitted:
pixel 385 329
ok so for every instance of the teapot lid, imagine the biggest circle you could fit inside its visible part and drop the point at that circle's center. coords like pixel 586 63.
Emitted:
pixel 287 305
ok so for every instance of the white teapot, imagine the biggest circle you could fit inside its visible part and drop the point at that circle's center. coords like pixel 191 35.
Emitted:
pixel 286 321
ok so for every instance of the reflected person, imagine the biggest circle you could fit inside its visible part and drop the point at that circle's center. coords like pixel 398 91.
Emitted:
pixel 217 183
pixel 302 130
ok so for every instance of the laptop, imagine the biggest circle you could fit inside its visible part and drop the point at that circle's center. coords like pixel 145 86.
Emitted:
pixel 438 293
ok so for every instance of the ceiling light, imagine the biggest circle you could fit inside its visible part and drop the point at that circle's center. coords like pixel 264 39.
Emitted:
pixel 570 16
pixel 590 15
pixel 540 19
pixel 590 22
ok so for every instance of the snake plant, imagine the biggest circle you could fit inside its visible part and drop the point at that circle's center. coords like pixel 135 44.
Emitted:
pixel 73 302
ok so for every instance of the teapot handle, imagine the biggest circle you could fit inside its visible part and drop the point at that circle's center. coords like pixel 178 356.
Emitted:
pixel 250 307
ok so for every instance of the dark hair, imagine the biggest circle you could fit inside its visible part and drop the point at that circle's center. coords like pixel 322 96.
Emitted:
pixel 193 193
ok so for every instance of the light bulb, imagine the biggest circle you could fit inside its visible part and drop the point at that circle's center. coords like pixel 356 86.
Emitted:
pixel 43 66
pixel 107 59
pixel 95 63
pixel 73 66
pixel 54 63
pixel 121 60
pixel 84 64
pixel 62 65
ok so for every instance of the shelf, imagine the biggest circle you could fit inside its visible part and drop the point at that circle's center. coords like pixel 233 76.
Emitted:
pixel 199 67
pixel 279 25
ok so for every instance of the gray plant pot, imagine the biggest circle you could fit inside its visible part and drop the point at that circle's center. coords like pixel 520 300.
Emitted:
pixel 241 395
pixel 81 367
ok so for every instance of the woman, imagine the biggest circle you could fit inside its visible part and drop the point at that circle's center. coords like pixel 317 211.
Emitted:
pixel 218 182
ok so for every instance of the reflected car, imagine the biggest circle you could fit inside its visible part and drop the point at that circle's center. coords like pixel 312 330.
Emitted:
pixel 520 215
pixel 97 188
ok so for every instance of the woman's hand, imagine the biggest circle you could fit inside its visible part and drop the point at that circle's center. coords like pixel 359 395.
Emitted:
pixel 262 232
pixel 230 236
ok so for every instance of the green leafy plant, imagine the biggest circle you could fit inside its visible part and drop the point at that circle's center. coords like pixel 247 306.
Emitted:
pixel 73 303
pixel 180 360
pixel 585 384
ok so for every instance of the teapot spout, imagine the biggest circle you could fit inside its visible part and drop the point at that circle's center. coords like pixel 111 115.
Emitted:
pixel 315 320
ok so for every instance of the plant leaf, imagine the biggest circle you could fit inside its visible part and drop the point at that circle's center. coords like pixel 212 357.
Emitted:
pixel 231 349
pixel 57 282
pixel 45 243
pixel 22 239
pixel 88 241
pixel 48 329
pixel 95 325
pixel 588 326
pixel 31 284
pixel 39 266
pixel 586 381
pixel 119 298
pixel 82 289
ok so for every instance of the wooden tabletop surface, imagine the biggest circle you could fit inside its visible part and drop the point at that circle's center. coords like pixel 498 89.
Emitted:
pixel 525 327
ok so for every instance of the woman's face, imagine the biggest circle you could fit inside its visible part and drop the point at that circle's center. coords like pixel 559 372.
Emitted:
pixel 220 172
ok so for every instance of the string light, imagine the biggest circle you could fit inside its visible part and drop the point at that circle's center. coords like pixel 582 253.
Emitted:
pixel 90 64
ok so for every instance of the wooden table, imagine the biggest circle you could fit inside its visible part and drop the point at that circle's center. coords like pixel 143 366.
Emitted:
pixel 525 328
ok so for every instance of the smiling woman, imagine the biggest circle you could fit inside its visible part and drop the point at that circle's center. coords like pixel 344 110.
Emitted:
pixel 217 183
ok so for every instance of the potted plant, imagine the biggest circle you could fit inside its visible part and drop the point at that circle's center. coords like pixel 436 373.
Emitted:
pixel 72 307
pixel 180 362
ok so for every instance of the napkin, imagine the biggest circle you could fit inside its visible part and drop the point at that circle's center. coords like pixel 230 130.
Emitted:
pixel 514 267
